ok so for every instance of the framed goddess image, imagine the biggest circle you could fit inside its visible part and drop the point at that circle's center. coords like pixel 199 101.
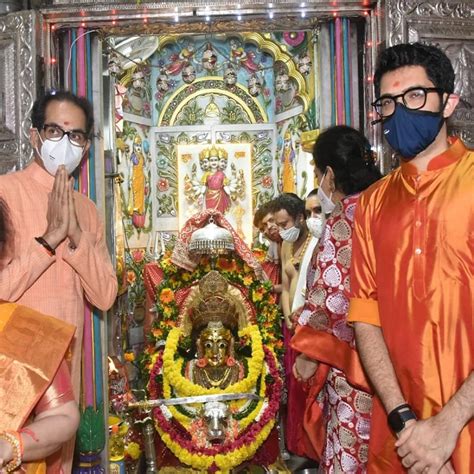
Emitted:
pixel 217 177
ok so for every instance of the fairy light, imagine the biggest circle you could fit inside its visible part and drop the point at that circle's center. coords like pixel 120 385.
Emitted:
pixel 208 15
pixel 53 60
pixel 53 27
pixel 303 13
pixel 270 14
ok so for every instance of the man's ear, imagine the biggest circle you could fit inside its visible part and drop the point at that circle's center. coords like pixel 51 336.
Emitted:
pixel 86 148
pixel 451 104
pixel 35 139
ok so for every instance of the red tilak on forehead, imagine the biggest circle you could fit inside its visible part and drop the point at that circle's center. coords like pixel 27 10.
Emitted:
pixel 66 123
pixel 396 84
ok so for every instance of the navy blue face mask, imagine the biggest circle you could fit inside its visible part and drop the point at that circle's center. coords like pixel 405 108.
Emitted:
pixel 409 132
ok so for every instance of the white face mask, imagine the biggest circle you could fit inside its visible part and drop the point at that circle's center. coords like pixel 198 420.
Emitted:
pixel 291 234
pixel 315 226
pixel 63 152
pixel 327 206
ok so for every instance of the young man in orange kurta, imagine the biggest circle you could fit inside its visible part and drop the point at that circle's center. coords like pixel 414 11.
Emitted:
pixel 412 265
pixel 59 255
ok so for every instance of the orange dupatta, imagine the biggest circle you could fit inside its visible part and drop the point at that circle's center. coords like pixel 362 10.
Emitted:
pixel 32 346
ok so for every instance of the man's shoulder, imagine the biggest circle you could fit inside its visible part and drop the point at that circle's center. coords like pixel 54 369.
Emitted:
pixel 8 177
pixel 11 183
pixel 379 187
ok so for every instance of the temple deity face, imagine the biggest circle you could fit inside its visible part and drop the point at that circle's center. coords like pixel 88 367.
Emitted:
pixel 230 77
pixel 223 164
pixel 137 147
pixel 189 74
pixel 215 344
pixel 214 163
pixel 204 164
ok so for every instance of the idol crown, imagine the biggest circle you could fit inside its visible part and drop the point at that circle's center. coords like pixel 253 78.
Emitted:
pixel 214 303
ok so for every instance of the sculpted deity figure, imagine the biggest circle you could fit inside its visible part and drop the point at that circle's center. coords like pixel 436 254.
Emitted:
pixel 215 323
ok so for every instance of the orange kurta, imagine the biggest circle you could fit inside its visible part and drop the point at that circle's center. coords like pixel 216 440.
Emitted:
pixel 54 285
pixel 412 274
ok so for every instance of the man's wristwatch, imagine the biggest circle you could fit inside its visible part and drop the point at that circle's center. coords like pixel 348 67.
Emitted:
pixel 398 417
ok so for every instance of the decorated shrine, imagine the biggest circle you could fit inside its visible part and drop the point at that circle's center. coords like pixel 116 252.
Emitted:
pixel 204 111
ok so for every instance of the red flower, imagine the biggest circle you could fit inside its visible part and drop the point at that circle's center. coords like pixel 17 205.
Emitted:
pixel 267 181
pixel 293 38
pixel 138 255
pixel 138 220
pixel 163 185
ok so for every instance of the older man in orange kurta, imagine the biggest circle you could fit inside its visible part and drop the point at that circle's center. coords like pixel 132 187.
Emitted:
pixel 59 255
pixel 412 277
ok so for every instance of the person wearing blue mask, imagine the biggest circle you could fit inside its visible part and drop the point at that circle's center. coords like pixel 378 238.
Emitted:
pixel 412 265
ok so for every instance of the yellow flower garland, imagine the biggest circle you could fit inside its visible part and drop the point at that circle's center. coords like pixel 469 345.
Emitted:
pixel 244 422
pixel 180 417
pixel 226 461
pixel 172 377
pixel 185 388
pixel 186 421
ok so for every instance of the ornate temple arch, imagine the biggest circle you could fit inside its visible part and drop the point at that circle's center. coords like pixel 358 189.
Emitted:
pixel 252 109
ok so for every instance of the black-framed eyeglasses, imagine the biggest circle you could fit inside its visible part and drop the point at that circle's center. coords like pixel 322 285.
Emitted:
pixel 413 99
pixel 55 133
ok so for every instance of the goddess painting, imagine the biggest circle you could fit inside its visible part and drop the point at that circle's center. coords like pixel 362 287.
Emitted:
pixel 215 182
pixel 137 183
pixel 217 177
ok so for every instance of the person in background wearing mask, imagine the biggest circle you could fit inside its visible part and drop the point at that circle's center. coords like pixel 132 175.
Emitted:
pixel 264 221
pixel 315 224
pixel 412 273
pixel 59 255
pixel 290 217
pixel 338 404
pixel 315 213
pixel 289 214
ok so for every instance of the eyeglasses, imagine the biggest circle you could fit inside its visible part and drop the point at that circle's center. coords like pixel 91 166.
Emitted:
pixel 413 98
pixel 55 133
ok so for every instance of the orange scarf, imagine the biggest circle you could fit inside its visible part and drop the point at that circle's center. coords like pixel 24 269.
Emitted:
pixel 32 347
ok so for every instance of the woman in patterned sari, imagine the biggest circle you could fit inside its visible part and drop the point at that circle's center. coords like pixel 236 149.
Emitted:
pixel 337 415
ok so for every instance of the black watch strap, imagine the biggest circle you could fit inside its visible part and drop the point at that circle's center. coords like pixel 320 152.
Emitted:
pixel 398 417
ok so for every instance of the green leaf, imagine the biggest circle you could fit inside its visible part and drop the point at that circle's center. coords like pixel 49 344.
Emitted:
pixel 91 432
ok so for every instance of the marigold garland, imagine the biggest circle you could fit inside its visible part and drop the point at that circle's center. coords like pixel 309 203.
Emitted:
pixel 228 456
pixel 185 388
pixel 238 273
pixel 187 420
pixel 167 380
